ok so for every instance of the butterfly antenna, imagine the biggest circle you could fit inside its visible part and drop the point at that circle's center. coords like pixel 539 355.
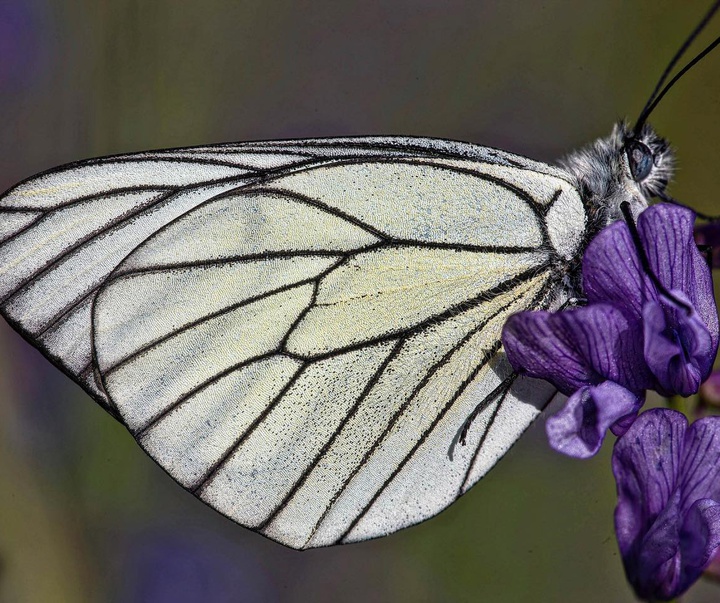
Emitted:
pixel 659 91
pixel 673 81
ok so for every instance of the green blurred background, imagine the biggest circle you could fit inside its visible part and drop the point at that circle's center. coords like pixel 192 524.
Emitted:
pixel 84 514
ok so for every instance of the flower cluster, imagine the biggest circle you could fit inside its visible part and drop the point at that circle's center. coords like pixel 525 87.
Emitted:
pixel 650 323
pixel 630 337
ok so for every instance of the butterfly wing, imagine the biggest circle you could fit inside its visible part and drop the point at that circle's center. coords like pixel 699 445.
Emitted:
pixel 297 331
pixel 64 231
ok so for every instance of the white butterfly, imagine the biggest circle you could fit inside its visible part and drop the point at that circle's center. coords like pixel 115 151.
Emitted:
pixel 298 331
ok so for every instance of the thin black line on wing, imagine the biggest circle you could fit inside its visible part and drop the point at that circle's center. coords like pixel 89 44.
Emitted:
pixel 230 308
pixel 155 420
pixel 483 362
pixel 200 485
pixel 336 433
pixel 487 295
pixel 388 428
pixel 458 392
pixel 232 149
pixel 426 147
pixel 14 235
pixel 282 254
pixel 66 311
pixel 288 253
pixel 536 206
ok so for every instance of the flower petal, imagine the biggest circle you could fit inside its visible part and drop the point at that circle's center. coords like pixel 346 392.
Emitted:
pixel 655 571
pixel 645 463
pixel 538 344
pixel 620 427
pixel 700 470
pixel 579 428
pixel 579 347
pixel 667 235
pixel 678 347
pixel 699 540
pixel 676 549
pixel 612 272
pixel 667 518
pixel 609 344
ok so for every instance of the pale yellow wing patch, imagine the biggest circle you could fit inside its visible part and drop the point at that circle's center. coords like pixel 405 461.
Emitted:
pixel 390 290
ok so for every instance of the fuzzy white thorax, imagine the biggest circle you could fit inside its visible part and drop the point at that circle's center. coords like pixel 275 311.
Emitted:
pixel 604 177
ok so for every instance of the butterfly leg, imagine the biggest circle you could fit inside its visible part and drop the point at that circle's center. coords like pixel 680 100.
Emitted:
pixel 500 391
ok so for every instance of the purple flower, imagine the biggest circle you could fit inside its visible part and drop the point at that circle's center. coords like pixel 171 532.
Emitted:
pixel 630 337
pixel 667 518
pixel 590 354
pixel 579 428
pixel 679 348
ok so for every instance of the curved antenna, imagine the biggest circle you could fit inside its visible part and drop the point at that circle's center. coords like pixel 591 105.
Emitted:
pixel 655 97
pixel 672 82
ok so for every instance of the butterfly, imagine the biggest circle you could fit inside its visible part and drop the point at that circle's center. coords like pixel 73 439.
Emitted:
pixel 305 334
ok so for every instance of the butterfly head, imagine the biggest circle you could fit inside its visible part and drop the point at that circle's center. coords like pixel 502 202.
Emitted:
pixel 625 166
pixel 648 158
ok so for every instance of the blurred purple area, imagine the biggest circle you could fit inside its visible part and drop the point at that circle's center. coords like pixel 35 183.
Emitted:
pixel 21 42
pixel 184 567
pixel 84 515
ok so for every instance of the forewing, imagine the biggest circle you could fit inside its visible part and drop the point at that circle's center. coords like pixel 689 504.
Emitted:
pixel 302 353
pixel 64 231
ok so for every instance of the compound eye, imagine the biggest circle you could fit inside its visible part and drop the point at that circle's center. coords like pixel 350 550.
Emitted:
pixel 640 158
